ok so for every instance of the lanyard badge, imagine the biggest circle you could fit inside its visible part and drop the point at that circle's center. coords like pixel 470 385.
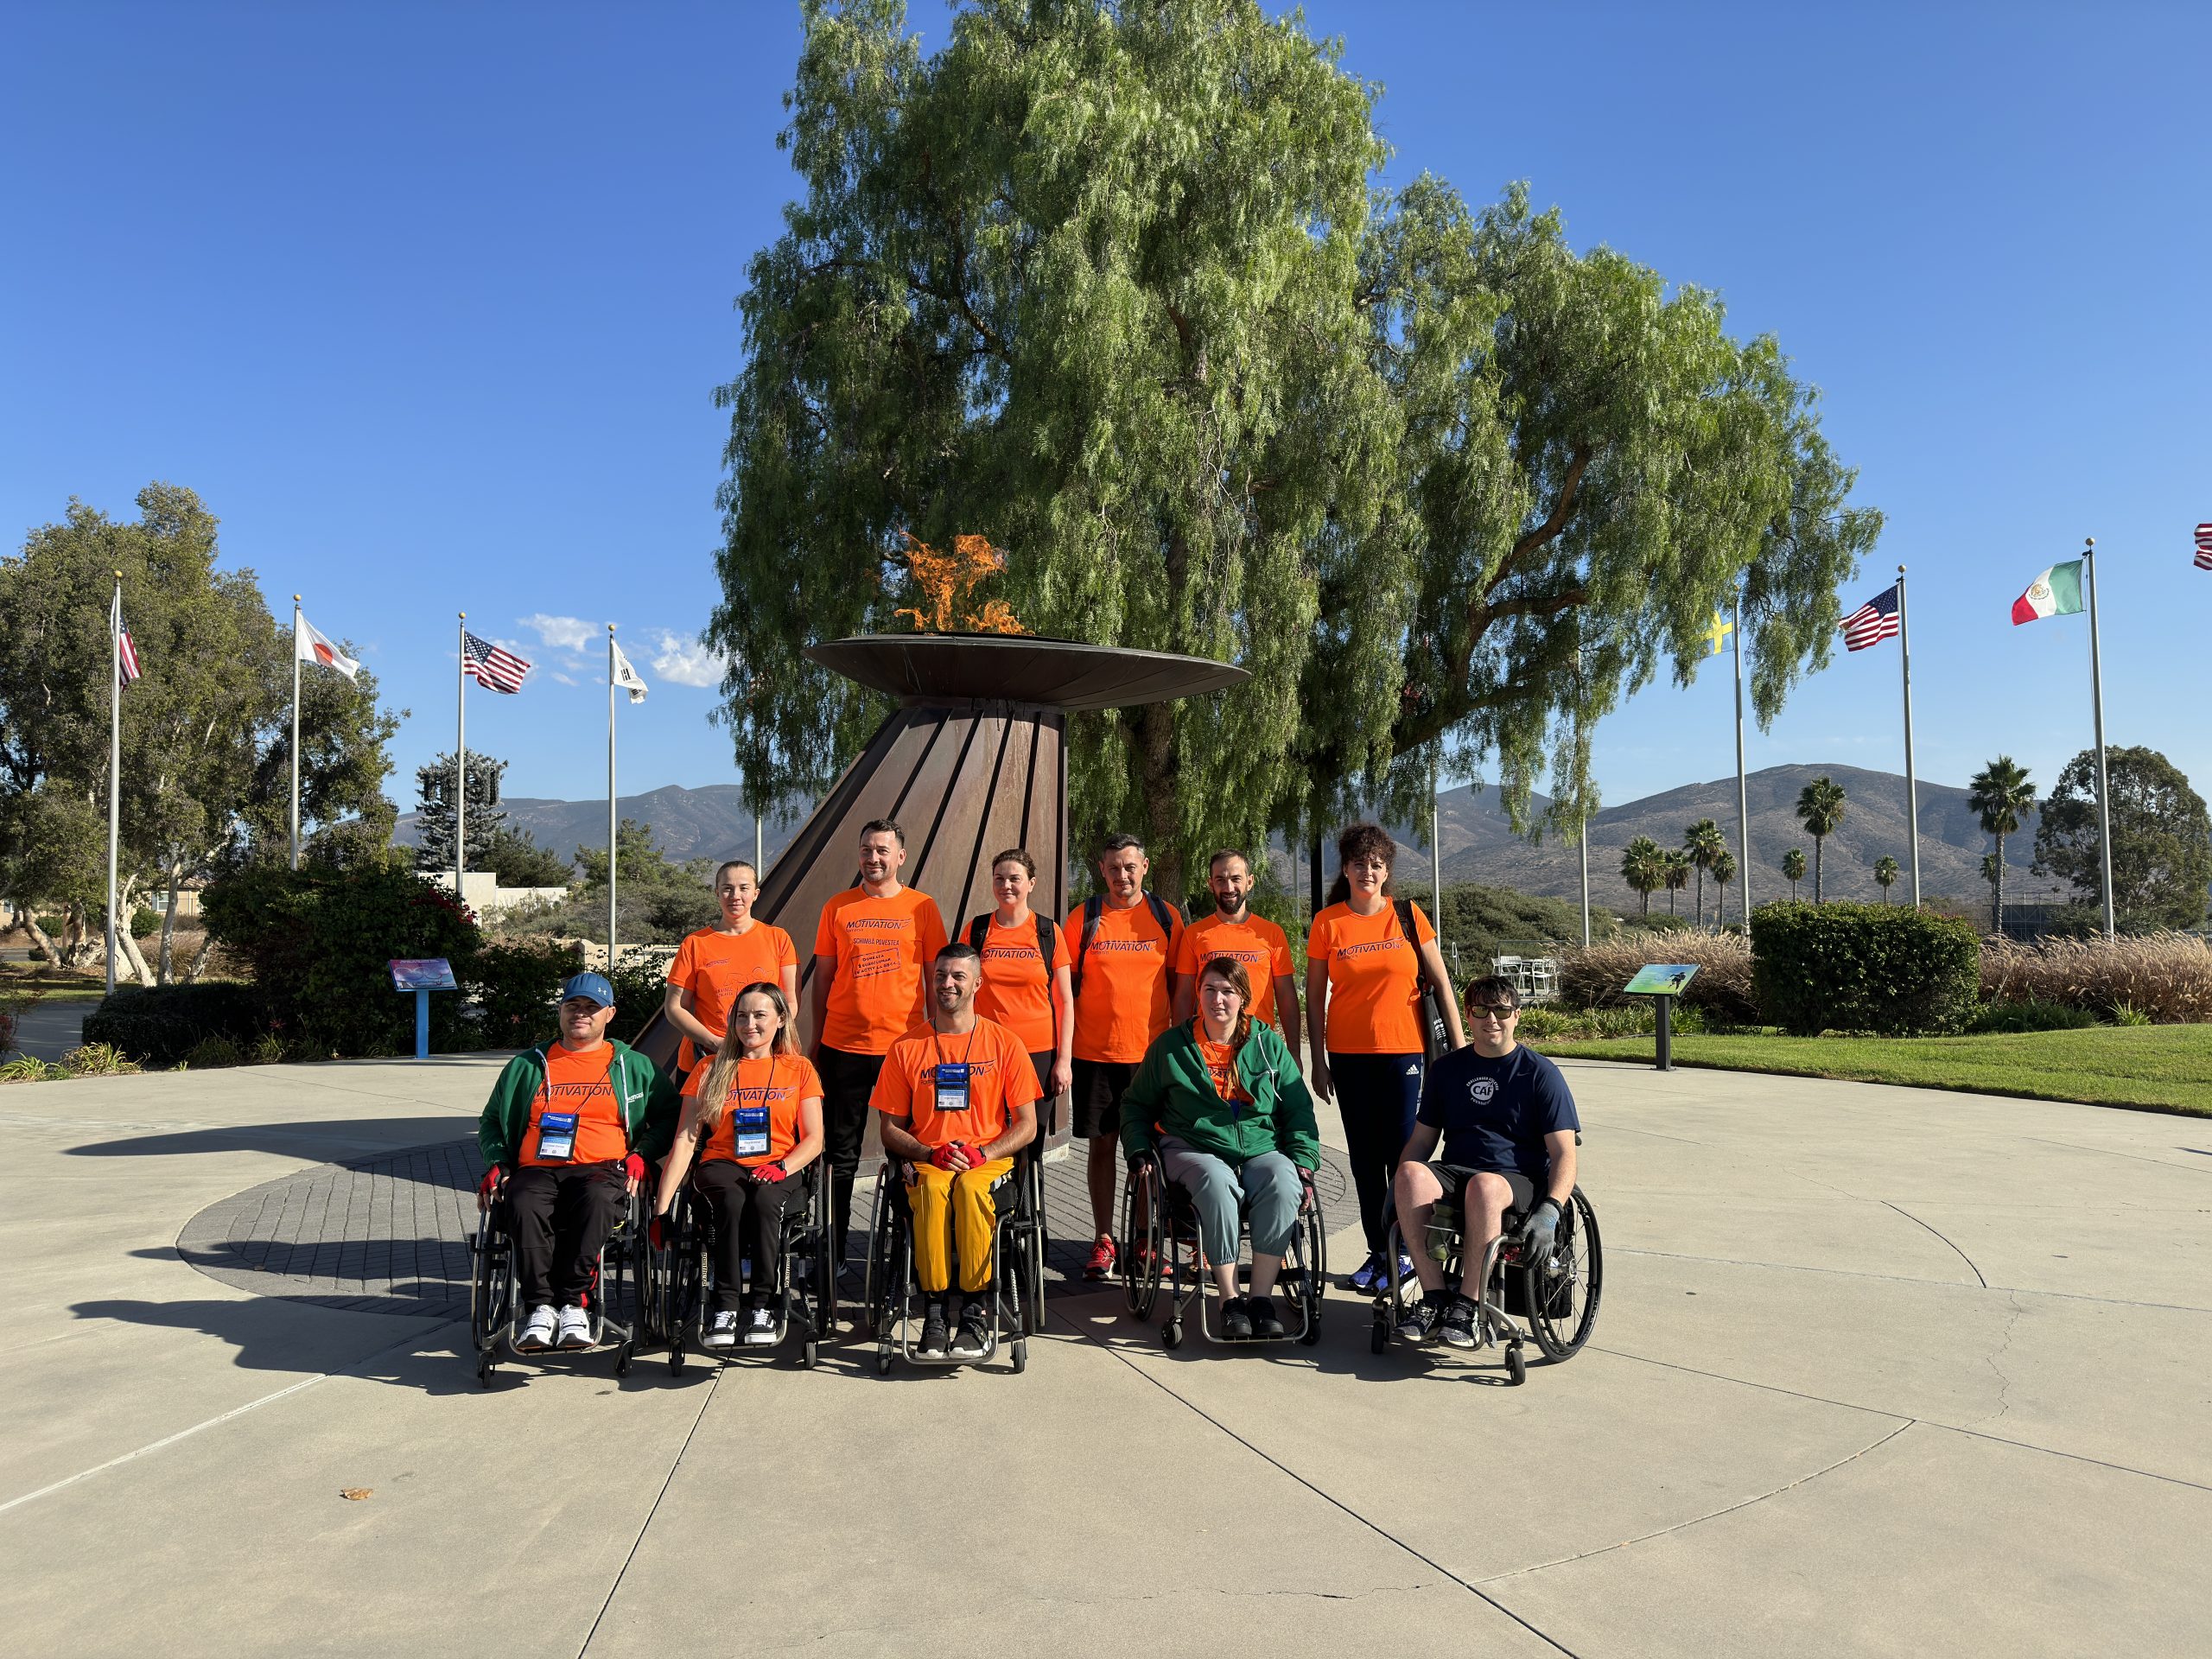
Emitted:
pixel 951 1084
pixel 556 1137
pixel 749 1130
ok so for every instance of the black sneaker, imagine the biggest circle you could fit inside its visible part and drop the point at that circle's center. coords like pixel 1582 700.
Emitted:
pixel 932 1343
pixel 1235 1320
pixel 1419 1323
pixel 1457 1327
pixel 1265 1322
pixel 972 1341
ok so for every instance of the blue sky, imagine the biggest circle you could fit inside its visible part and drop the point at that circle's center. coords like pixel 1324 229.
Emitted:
pixel 429 303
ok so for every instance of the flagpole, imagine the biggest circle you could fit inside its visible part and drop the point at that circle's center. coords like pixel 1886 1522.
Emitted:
pixel 114 762
pixel 296 731
pixel 1743 789
pixel 461 761
pixel 610 798
pixel 1582 832
pixel 2097 713
pixel 1911 785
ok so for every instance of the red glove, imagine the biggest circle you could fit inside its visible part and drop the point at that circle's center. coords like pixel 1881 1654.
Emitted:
pixel 634 1167
pixel 943 1156
pixel 490 1181
pixel 770 1172
pixel 975 1158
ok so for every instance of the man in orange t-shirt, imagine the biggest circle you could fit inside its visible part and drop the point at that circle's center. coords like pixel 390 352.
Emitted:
pixel 872 950
pixel 959 1096
pixel 1234 930
pixel 1124 947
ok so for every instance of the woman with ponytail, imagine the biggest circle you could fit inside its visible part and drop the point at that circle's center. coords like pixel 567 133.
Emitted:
pixel 752 1120
pixel 1220 1100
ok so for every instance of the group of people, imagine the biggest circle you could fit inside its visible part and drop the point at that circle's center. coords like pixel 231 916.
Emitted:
pixel 1174 1041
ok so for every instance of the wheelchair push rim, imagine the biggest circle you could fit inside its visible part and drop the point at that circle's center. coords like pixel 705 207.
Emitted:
pixel 1563 1306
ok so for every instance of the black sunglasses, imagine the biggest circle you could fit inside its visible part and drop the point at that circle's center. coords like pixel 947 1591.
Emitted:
pixel 1496 1010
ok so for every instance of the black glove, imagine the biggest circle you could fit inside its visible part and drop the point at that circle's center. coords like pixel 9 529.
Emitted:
pixel 1539 1232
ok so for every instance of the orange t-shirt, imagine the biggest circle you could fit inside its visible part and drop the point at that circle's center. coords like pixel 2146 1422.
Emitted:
pixel 1123 1003
pixel 884 947
pixel 582 1083
pixel 1221 1061
pixel 779 1081
pixel 1017 992
pixel 1256 942
pixel 1000 1079
pixel 1374 979
pixel 715 966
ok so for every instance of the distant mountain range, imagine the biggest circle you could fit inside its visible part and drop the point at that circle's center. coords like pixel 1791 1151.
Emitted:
pixel 1479 845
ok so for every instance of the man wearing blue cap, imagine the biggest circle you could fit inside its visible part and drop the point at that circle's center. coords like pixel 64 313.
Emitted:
pixel 566 1137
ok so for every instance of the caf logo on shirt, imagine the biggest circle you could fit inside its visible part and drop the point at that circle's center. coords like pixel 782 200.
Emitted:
pixel 1483 1090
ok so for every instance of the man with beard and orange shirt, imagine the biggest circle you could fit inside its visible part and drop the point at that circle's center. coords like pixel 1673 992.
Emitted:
pixel 1233 931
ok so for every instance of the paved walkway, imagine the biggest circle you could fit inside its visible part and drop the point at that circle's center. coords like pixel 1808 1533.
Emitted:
pixel 1877 1371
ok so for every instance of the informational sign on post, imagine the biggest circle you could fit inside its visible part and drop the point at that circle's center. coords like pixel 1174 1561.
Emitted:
pixel 422 974
pixel 1662 981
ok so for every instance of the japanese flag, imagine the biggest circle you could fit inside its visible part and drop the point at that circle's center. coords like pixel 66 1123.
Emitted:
pixel 314 646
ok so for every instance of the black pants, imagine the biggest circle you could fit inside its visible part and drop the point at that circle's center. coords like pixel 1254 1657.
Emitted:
pixel 847 1081
pixel 748 1220
pixel 561 1215
pixel 1376 1096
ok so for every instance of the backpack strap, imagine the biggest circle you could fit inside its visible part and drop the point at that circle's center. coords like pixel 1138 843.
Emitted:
pixel 1093 908
pixel 979 929
pixel 1405 910
pixel 1161 914
pixel 1044 930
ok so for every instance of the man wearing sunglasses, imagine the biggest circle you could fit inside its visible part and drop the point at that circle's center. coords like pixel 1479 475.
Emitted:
pixel 1507 1123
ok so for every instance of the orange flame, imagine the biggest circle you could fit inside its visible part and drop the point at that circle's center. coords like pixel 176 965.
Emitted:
pixel 949 579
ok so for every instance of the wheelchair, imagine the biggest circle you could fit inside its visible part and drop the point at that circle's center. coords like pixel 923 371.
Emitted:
pixel 1159 1249
pixel 888 1313
pixel 683 1275
pixel 617 1300
pixel 1558 1297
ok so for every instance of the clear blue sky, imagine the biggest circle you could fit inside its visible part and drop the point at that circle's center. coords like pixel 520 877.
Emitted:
pixel 429 303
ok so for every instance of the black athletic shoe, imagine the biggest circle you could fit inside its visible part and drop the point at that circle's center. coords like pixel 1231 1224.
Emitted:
pixel 932 1343
pixel 971 1341
pixel 1235 1320
pixel 1265 1321
pixel 1420 1322
pixel 1458 1329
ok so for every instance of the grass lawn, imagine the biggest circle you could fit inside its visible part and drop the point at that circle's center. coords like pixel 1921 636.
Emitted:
pixel 2168 1067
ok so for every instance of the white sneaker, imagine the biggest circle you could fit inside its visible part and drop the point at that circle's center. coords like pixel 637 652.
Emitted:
pixel 575 1328
pixel 759 1328
pixel 537 1329
pixel 721 1330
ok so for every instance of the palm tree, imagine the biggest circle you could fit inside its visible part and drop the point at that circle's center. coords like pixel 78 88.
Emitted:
pixel 1999 794
pixel 1677 867
pixel 1820 809
pixel 1793 866
pixel 1643 867
pixel 1724 872
pixel 1885 875
pixel 1704 843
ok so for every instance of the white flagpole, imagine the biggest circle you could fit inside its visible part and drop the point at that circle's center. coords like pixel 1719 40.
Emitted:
pixel 610 798
pixel 460 763
pixel 1911 784
pixel 296 731
pixel 1743 789
pixel 114 762
pixel 2097 712
pixel 1582 832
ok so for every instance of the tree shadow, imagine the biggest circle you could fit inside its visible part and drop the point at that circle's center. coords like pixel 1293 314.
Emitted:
pixel 326 1141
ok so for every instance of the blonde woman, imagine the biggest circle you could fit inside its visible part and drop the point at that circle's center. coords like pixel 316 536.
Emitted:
pixel 751 1120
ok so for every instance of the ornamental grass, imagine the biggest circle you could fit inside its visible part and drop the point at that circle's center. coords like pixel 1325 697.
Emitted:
pixel 2165 977
pixel 1722 989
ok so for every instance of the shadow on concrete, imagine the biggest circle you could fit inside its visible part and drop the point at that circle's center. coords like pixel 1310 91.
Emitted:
pixel 349 1140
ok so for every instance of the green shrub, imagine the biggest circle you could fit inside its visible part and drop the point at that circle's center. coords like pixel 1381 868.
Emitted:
pixel 97 1060
pixel 2127 1014
pixel 24 1069
pixel 146 922
pixel 640 982
pixel 212 1051
pixel 2006 1017
pixel 1885 969
pixel 517 989
pixel 161 1025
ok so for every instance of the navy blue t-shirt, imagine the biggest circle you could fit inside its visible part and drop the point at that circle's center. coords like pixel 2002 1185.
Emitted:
pixel 1495 1114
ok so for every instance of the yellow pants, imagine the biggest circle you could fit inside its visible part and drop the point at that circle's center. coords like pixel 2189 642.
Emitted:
pixel 974 1219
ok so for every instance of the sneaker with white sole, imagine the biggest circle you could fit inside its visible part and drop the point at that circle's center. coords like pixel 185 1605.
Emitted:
pixel 1421 1320
pixel 537 1330
pixel 575 1329
pixel 970 1340
pixel 933 1334
pixel 721 1330
pixel 1457 1328
pixel 759 1328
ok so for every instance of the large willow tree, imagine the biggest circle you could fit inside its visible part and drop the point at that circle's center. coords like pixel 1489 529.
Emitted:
pixel 1113 286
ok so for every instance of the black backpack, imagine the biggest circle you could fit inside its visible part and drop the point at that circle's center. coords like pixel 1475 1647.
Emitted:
pixel 1436 1036
pixel 1095 906
pixel 979 929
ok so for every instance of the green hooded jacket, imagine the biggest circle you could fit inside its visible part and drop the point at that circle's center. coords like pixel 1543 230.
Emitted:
pixel 649 1104
pixel 1173 1094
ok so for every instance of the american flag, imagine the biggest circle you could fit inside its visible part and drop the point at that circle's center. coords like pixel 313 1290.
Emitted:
pixel 2204 547
pixel 126 655
pixel 1872 622
pixel 495 670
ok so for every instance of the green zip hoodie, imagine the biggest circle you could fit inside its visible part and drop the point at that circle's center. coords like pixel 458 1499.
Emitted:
pixel 649 1104
pixel 1173 1094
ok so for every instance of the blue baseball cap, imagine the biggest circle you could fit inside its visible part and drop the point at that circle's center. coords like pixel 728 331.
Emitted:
pixel 594 986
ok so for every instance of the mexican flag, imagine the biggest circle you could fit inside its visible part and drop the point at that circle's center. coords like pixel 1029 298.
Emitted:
pixel 2056 592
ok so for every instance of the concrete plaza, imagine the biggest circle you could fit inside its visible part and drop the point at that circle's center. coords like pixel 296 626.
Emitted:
pixel 1877 1370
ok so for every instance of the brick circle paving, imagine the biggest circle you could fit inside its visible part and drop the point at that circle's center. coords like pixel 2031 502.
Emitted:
pixel 390 1234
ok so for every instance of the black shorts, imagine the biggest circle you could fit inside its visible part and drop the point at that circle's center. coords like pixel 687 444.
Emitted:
pixel 1453 1177
pixel 1095 1096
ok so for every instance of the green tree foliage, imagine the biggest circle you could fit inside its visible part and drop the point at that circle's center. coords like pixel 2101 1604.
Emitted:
pixel 1643 867
pixel 1704 843
pixel 660 899
pixel 1677 865
pixel 2161 839
pixel 1793 867
pixel 1820 809
pixel 1117 288
pixel 1998 795
pixel 516 860
pixel 1480 921
pixel 1878 968
pixel 1724 872
pixel 1885 875
pixel 433 813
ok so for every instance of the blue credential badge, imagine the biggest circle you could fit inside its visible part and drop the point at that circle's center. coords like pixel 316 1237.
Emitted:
pixel 556 1137
pixel 749 1130
pixel 951 1083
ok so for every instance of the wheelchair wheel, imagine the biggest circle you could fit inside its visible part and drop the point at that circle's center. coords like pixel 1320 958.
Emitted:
pixel 1563 1305
pixel 1516 1368
pixel 1141 1255
pixel 823 1302
pixel 488 1289
pixel 1031 1266
pixel 1171 1334
pixel 1021 1355
pixel 1312 1249
pixel 876 1273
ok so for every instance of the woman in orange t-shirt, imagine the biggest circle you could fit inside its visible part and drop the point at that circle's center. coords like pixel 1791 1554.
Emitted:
pixel 1037 1006
pixel 714 961
pixel 1362 993
pixel 753 1119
